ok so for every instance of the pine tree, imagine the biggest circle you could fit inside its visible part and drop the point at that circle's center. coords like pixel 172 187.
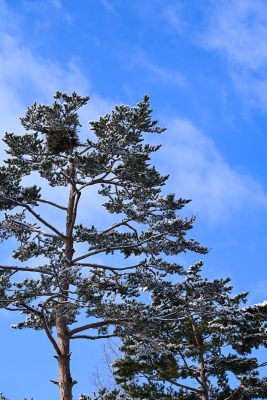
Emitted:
pixel 66 284
pixel 197 339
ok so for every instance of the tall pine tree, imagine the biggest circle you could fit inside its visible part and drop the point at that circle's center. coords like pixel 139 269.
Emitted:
pixel 65 282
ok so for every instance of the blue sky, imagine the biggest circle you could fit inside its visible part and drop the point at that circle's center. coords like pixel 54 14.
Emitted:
pixel 204 65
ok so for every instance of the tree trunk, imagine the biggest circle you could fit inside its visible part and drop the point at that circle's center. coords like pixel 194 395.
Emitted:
pixel 205 393
pixel 65 380
pixel 199 345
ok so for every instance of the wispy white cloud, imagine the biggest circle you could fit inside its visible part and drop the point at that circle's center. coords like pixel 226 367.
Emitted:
pixel 109 6
pixel 197 168
pixel 173 17
pixel 199 172
pixel 158 72
pixel 238 30
pixel 57 4
pixel 26 77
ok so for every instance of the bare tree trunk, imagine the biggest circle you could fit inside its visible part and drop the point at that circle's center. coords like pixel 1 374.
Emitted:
pixel 65 380
pixel 205 393
pixel 203 378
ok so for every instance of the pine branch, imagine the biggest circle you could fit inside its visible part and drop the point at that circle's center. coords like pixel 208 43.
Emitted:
pixel 92 337
pixel 100 179
pixel 52 204
pixel 106 266
pixel 46 327
pixel 96 325
pixel 183 386
pixel 237 390
pixel 37 216
pixel 85 150
pixel 118 224
pixel 28 269
pixel 154 378
pixel 34 229
pixel 108 249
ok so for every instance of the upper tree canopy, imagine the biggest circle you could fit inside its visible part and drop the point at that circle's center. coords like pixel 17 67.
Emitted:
pixel 116 160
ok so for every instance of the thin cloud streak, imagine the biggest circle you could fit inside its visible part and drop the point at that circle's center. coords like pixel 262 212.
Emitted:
pixel 238 30
pixel 157 72
pixel 197 169
pixel 200 173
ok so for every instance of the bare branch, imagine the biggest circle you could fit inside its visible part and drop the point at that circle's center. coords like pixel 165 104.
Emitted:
pixel 264 364
pixel 107 249
pixel 29 269
pixel 85 150
pixel 106 266
pixel 52 204
pixel 237 390
pixel 46 327
pixel 96 325
pixel 117 225
pixel 183 386
pixel 99 180
pixel 189 368
pixel 34 229
pixel 92 337
pixel 37 216
pixel 155 378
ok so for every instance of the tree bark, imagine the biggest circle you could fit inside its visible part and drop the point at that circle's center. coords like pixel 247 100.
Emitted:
pixel 199 344
pixel 205 393
pixel 65 380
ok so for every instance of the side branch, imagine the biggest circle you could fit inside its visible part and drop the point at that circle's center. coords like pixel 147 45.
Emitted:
pixel 183 386
pixel 46 327
pixel 92 337
pixel 28 269
pixel 106 266
pixel 101 179
pixel 107 249
pixel 31 228
pixel 237 390
pixel 52 204
pixel 96 325
pixel 37 216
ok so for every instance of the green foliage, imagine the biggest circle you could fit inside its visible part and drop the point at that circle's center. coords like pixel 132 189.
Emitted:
pixel 181 346
pixel 198 326
pixel 66 281
pixel 59 122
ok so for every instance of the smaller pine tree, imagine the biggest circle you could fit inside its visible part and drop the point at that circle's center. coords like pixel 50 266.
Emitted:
pixel 197 347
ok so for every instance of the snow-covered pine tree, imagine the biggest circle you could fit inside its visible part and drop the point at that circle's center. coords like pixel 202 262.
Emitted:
pixel 65 281
pixel 196 345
